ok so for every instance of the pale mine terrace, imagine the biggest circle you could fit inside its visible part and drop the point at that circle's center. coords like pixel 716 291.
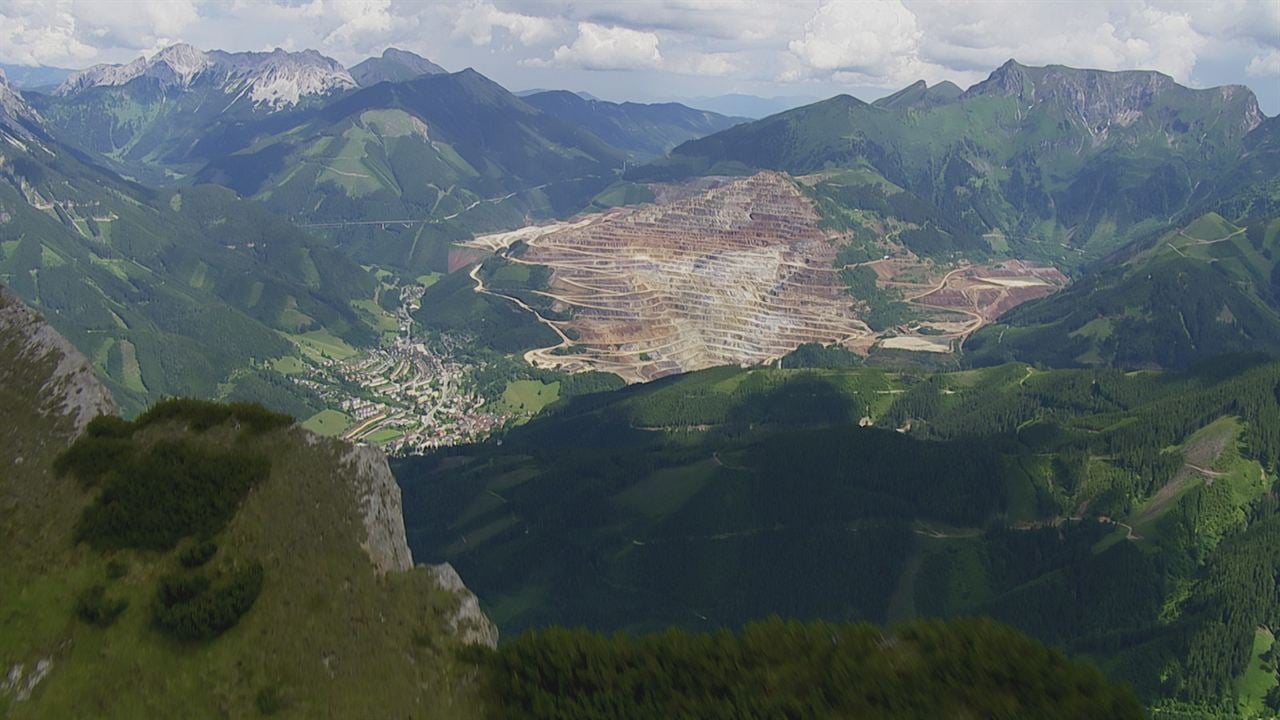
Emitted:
pixel 741 274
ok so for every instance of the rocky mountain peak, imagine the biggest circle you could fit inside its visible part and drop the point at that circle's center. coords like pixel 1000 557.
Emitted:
pixel 412 60
pixel 394 65
pixel 1101 99
pixel 276 79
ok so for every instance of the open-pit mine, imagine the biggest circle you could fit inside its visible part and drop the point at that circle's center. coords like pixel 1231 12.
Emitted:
pixel 740 273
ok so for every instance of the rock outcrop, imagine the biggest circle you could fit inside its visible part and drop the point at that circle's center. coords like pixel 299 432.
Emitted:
pixel 388 547
pixel 71 389
pixel 469 622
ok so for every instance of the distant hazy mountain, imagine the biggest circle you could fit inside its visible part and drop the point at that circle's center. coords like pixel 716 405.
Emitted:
pixel 159 118
pixel 34 76
pixel 751 106
pixel 647 130
pixel 394 65
pixel 1048 161
pixel 534 91
pixel 920 96
pixel 276 79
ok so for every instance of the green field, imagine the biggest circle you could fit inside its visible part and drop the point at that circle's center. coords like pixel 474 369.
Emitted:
pixel 381 436
pixel 1258 679
pixel 289 365
pixel 529 396
pixel 328 422
pixel 383 320
pixel 323 345
pixel 132 372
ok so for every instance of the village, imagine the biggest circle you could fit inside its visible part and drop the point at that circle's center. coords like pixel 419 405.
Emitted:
pixel 408 396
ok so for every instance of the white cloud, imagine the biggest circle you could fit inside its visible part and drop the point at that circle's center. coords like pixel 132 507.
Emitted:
pixel 869 42
pixel 361 20
pixel 741 21
pixel 606 48
pixel 865 37
pixel 1265 65
pixel 478 20
pixel 705 64
pixel 137 25
pixel 36 33
pixel 1109 36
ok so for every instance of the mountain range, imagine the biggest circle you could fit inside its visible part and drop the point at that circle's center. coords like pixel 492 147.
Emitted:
pixel 1012 353
pixel 1051 161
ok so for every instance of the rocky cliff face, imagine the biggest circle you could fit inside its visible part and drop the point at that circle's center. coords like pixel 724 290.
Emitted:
pixel 71 389
pixel 276 79
pixel 16 116
pixel 1100 99
pixel 388 548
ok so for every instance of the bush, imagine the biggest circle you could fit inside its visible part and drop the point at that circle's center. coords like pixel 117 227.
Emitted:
pixel 198 554
pixel 202 415
pixel 94 607
pixel 269 700
pixel 117 568
pixel 192 607
pixel 174 489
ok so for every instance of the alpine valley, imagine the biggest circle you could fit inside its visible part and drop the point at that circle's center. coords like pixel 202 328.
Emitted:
pixel 971 394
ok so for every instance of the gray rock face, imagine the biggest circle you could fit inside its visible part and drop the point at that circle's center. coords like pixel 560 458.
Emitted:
pixel 380 503
pixel 1098 99
pixel 15 114
pixel 72 388
pixel 469 622
pixel 274 79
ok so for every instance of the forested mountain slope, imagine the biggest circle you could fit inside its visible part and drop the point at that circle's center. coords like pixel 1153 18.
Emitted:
pixel 1124 516
pixel 1041 156
pixel 398 171
pixel 1204 286
pixel 169 292
pixel 1200 291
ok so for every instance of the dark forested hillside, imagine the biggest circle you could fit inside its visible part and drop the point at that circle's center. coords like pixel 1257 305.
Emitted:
pixel 1101 511
pixel 1210 288
pixel 791 669
pixel 168 292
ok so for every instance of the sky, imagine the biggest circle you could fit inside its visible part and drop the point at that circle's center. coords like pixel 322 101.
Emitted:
pixel 648 50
